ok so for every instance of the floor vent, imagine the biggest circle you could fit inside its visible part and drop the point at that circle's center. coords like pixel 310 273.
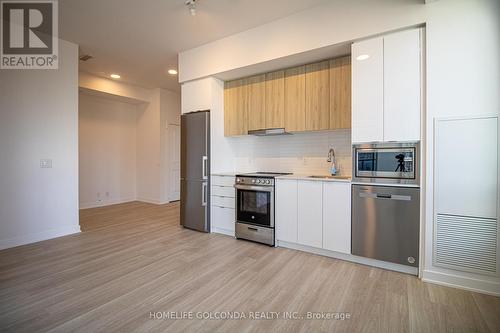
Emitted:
pixel 466 243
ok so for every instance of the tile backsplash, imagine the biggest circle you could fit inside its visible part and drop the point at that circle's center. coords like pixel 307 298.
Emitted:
pixel 301 153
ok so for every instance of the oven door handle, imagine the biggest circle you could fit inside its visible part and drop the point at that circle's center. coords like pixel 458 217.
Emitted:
pixel 254 188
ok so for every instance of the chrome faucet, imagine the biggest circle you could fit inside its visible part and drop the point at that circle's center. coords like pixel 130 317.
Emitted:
pixel 331 155
pixel 331 159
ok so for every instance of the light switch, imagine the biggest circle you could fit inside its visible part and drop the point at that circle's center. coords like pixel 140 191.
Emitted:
pixel 45 163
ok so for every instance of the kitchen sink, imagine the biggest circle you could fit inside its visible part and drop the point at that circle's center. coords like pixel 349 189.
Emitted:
pixel 328 177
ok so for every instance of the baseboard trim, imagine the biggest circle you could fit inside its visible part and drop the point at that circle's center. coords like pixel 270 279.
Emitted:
pixel 461 282
pixel 151 201
pixel 87 205
pixel 349 257
pixel 38 236
pixel 223 231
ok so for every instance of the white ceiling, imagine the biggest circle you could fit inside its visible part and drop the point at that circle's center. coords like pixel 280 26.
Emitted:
pixel 140 40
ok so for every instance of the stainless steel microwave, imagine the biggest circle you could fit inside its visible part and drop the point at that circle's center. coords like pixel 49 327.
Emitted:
pixel 389 163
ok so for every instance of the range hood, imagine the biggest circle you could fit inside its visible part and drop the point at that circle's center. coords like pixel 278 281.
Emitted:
pixel 268 132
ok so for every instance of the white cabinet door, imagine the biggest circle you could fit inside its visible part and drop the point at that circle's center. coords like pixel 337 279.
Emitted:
pixel 402 86
pixel 286 210
pixel 223 218
pixel 309 213
pixel 367 91
pixel 466 167
pixel 337 217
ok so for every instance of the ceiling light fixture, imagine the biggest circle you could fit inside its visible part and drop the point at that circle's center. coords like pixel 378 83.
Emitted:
pixel 191 5
pixel 362 57
pixel 172 72
pixel 115 76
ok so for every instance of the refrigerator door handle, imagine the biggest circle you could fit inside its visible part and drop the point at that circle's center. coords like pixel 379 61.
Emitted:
pixel 204 194
pixel 204 161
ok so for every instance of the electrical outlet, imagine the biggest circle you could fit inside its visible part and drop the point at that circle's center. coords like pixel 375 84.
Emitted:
pixel 46 163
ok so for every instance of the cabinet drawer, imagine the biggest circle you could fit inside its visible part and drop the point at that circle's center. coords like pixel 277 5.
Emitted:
pixel 223 180
pixel 223 201
pixel 223 218
pixel 223 191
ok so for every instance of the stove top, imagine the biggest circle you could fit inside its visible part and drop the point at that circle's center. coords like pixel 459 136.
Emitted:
pixel 263 174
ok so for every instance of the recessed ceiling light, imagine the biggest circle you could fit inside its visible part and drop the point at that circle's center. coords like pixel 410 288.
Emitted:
pixel 115 76
pixel 362 57
pixel 172 72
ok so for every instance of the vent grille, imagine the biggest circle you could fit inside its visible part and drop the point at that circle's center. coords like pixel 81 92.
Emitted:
pixel 85 57
pixel 466 243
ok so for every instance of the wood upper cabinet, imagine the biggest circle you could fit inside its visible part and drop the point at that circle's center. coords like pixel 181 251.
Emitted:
pixel 235 107
pixel 256 95
pixel 275 99
pixel 295 99
pixel 304 98
pixel 318 96
pixel 340 93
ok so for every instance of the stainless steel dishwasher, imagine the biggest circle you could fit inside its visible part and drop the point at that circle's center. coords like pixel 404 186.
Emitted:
pixel 385 223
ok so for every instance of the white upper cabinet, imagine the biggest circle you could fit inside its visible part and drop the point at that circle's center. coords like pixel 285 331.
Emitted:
pixel 367 90
pixel 386 88
pixel 402 86
pixel 337 216
pixel 286 210
pixel 310 213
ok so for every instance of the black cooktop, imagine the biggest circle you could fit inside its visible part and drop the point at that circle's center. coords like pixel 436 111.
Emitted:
pixel 264 174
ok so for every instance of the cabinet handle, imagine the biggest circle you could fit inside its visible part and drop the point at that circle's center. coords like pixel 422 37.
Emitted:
pixel 253 229
pixel 204 161
pixel 204 194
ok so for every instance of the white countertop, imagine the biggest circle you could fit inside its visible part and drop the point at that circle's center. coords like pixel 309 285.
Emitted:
pixel 224 174
pixel 306 177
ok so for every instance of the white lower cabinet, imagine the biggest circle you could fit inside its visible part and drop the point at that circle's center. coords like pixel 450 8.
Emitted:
pixel 337 217
pixel 222 204
pixel 314 213
pixel 309 213
pixel 286 210
pixel 223 218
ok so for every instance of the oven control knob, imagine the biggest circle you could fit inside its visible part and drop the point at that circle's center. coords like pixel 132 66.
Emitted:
pixel 258 181
pixel 238 180
pixel 253 180
pixel 268 181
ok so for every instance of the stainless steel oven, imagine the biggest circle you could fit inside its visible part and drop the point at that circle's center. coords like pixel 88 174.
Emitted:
pixel 389 163
pixel 255 207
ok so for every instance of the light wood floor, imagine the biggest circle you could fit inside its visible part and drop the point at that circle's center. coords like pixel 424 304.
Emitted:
pixel 133 259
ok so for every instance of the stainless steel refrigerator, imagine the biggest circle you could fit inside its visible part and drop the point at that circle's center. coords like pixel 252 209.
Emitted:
pixel 195 170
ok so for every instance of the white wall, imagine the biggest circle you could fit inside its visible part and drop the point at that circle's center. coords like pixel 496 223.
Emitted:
pixel 149 150
pixel 462 76
pixel 39 120
pixel 301 153
pixel 107 151
pixel 155 108
pixel 170 107
pixel 114 88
